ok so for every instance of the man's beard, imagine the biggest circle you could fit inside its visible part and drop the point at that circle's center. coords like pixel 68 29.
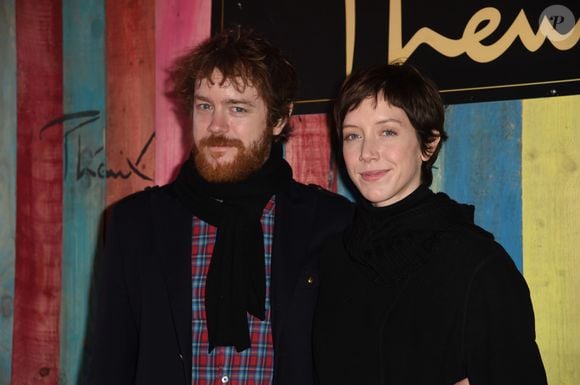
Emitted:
pixel 245 163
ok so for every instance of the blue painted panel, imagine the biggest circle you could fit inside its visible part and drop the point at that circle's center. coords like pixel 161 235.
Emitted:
pixel 483 167
pixel 8 185
pixel 84 188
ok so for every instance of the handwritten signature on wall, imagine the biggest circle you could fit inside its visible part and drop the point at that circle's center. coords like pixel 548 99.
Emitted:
pixel 91 162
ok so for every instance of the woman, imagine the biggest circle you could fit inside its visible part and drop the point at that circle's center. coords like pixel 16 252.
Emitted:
pixel 413 292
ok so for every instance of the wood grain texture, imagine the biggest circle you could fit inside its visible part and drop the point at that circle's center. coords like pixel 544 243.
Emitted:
pixel 482 166
pixel 39 193
pixel 551 219
pixel 130 56
pixel 438 183
pixel 179 26
pixel 84 189
pixel 8 185
pixel 308 151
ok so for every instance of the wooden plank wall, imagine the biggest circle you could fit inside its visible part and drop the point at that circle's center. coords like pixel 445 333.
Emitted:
pixel 84 184
pixel 8 185
pixel 179 26
pixel 35 353
pixel 551 219
pixel 93 74
pixel 482 167
pixel 130 57
pixel 308 151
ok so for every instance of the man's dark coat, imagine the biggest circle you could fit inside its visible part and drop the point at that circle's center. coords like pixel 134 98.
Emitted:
pixel 143 333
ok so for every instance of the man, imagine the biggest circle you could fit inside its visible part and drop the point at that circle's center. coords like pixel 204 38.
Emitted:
pixel 212 279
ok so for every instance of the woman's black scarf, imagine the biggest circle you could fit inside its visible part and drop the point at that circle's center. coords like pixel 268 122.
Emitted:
pixel 392 242
pixel 236 281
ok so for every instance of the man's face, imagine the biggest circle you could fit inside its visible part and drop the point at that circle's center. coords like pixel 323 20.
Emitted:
pixel 230 131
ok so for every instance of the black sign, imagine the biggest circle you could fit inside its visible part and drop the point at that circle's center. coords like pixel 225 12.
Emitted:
pixel 474 50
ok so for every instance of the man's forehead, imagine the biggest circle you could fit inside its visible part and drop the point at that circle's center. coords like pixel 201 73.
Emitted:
pixel 230 88
pixel 238 82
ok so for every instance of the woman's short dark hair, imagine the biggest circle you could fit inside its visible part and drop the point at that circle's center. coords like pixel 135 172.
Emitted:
pixel 402 86
pixel 244 58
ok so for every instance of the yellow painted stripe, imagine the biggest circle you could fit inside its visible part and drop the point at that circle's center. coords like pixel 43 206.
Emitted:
pixel 551 223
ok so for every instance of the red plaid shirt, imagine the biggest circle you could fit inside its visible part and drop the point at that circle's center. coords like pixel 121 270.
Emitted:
pixel 253 366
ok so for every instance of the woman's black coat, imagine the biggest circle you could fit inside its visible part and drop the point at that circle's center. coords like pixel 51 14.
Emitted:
pixel 462 311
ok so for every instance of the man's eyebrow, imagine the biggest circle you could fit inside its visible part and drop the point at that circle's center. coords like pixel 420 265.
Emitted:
pixel 230 101
pixel 200 97
pixel 246 102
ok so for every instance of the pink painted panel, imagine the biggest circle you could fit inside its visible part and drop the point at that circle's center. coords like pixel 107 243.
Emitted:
pixel 180 25
pixel 130 55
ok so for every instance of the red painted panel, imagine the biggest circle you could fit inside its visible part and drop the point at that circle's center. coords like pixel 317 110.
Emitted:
pixel 39 193
pixel 130 96
pixel 308 151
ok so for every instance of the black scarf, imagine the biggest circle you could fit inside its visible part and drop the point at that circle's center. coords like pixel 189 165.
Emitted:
pixel 392 242
pixel 236 281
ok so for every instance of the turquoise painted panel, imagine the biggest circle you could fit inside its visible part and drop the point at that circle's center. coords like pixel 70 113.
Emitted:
pixel 483 167
pixel 84 183
pixel 8 185
pixel 344 187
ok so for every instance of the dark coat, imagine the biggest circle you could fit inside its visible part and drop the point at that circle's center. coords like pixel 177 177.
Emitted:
pixel 465 312
pixel 143 333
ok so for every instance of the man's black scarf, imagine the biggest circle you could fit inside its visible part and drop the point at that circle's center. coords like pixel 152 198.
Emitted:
pixel 236 281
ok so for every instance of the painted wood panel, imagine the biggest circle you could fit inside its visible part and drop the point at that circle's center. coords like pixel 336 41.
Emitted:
pixel 84 187
pixel 8 185
pixel 308 151
pixel 482 165
pixel 179 25
pixel 55 182
pixel 130 56
pixel 551 223
pixel 35 352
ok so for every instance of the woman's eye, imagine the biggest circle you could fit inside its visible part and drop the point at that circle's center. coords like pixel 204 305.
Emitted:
pixel 349 137
pixel 388 133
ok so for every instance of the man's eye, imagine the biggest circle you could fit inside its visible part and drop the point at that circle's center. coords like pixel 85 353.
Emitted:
pixel 203 106
pixel 239 110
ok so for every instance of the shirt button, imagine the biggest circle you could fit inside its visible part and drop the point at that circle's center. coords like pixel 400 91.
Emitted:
pixel 225 379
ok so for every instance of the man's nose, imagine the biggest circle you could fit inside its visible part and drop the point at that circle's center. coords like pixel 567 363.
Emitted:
pixel 218 124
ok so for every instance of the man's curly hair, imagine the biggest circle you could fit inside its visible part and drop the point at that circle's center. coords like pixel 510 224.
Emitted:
pixel 245 59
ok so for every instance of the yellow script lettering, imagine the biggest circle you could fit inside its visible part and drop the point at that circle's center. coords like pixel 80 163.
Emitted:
pixel 470 43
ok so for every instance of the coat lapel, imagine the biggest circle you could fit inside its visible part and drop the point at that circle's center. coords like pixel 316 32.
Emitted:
pixel 173 249
pixel 293 224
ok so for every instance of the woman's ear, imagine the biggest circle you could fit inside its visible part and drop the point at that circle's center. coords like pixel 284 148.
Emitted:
pixel 279 126
pixel 431 146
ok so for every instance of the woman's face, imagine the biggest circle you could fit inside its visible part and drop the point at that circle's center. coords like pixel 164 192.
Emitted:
pixel 381 151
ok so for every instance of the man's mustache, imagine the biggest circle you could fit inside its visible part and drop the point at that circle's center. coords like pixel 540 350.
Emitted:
pixel 220 141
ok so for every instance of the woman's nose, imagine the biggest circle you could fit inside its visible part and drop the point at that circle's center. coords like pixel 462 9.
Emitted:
pixel 369 151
